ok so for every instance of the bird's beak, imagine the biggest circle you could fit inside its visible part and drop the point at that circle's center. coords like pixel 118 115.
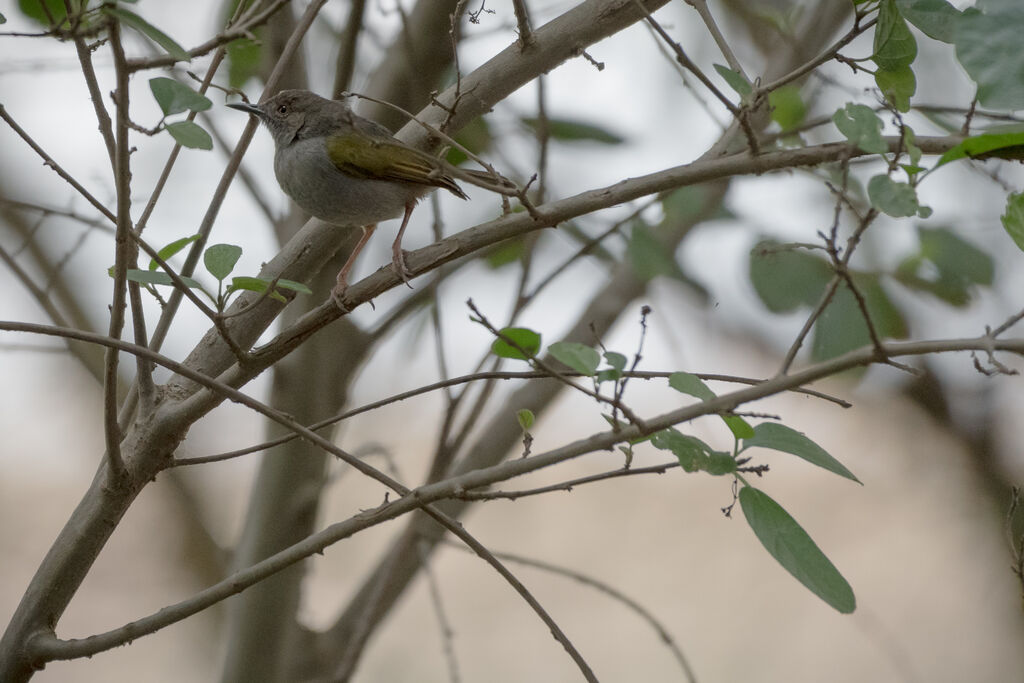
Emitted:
pixel 247 108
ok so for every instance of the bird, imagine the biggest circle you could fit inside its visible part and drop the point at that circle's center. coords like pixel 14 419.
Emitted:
pixel 351 172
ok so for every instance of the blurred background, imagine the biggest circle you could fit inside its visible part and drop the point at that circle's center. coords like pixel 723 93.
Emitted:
pixel 922 543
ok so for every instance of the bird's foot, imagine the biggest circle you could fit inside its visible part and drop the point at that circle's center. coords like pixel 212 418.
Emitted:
pixel 401 270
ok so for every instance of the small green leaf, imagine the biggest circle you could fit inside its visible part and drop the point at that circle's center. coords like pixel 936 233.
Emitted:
pixel 782 438
pixel 174 97
pixel 526 419
pixel 291 284
pixel 172 249
pixel 220 259
pixel 616 360
pixel 690 451
pixel 692 385
pixel 788 108
pixel 898 85
pixel 892 198
pixel 789 544
pixel 580 357
pixel 3 19
pixel 149 277
pixel 862 127
pixel 253 284
pixel 608 375
pixel 895 47
pixel 523 337
pixel 190 134
pixel 735 80
pixel 739 427
pixel 1013 218
pixel 571 130
pixel 147 29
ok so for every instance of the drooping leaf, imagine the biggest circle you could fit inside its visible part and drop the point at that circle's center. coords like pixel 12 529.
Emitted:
pixel 129 18
pixel 793 548
pixel 174 97
pixel 190 134
pixel 580 357
pixel 898 85
pixel 523 337
pixel 895 47
pixel 220 259
pixel 781 438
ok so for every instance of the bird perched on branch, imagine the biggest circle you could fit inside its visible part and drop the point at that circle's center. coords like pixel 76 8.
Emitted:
pixel 351 172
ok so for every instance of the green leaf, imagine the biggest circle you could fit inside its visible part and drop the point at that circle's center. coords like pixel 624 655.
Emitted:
pixel 782 438
pixel 789 544
pixel 1010 140
pixel 719 464
pixel 525 338
pixel 580 357
pixel 572 130
pixel 988 47
pixel 174 97
pixel 787 278
pixel 841 327
pixel 3 19
pixel 33 9
pixel 892 198
pixel 648 255
pixel 505 252
pixel 220 259
pixel 862 127
pixel 955 257
pixel 788 108
pixel 895 47
pixel 616 360
pixel 525 418
pixel 172 249
pixel 898 85
pixel 739 427
pixel 475 136
pixel 608 375
pixel 735 80
pixel 244 59
pixel 692 385
pixel 149 277
pixel 147 29
pixel 290 284
pixel 937 19
pixel 253 284
pixel 691 452
pixel 1013 218
pixel 190 134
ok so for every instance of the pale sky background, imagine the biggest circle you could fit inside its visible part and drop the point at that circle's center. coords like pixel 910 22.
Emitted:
pixel 920 543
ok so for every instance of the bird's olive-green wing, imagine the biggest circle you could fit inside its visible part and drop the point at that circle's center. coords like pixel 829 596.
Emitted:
pixel 362 156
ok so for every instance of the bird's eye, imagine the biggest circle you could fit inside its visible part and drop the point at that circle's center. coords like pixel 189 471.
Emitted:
pixel 283 109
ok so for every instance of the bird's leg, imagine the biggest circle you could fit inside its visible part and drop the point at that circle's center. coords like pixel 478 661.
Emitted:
pixel 339 289
pixel 397 255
